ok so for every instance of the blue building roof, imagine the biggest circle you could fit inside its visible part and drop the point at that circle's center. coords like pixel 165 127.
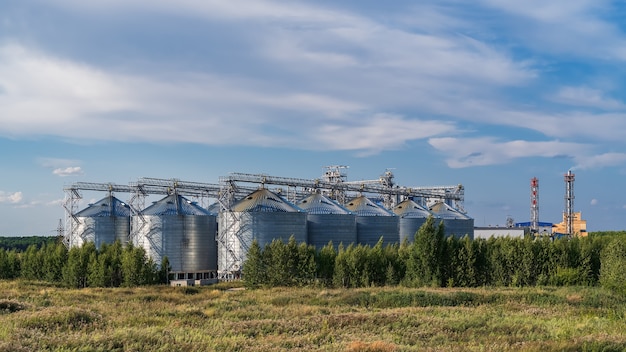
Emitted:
pixel 528 224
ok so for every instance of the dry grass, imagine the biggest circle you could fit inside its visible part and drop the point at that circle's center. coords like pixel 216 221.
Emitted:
pixel 39 317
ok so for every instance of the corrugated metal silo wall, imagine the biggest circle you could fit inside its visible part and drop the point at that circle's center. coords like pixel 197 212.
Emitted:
pixel 459 227
pixel 103 229
pixel 409 227
pixel 338 228
pixel 268 226
pixel 241 228
pixel 371 228
pixel 189 242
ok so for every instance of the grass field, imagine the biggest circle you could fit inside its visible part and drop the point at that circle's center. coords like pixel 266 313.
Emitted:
pixel 36 316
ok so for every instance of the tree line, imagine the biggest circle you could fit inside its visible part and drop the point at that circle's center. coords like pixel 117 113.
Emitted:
pixel 433 260
pixel 21 243
pixel 111 265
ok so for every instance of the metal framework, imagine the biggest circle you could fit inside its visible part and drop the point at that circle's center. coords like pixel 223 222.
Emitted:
pixel 569 202
pixel 138 192
pixel 332 183
pixel 534 204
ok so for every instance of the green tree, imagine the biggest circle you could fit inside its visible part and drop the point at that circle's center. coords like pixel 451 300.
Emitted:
pixel 54 259
pixel 340 272
pixel 424 267
pixel 306 265
pixel 613 266
pixel 133 265
pixel 325 260
pixel 75 272
pixel 254 272
pixel 32 263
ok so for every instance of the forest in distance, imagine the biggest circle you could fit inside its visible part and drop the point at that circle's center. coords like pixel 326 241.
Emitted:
pixel 429 261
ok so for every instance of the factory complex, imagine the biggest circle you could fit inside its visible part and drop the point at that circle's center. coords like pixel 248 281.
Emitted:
pixel 205 230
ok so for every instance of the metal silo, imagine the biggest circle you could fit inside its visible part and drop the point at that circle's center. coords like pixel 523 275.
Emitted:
pixel 262 216
pixel 328 221
pixel 105 221
pixel 184 232
pixel 411 217
pixel 455 223
pixel 373 222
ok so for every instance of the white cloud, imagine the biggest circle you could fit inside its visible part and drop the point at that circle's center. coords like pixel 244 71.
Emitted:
pixel 11 198
pixel 466 152
pixel 337 80
pixel 599 160
pixel 594 202
pixel 577 27
pixel 68 171
pixel 586 97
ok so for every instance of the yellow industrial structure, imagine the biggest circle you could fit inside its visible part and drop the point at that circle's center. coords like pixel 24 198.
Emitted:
pixel 579 226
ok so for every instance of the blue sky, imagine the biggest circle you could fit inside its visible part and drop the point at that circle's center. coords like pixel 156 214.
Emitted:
pixel 488 95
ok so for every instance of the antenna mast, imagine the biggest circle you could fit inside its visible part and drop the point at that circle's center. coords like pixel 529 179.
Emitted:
pixel 534 204
pixel 569 202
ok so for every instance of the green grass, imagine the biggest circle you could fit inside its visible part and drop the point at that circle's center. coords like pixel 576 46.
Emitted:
pixel 36 316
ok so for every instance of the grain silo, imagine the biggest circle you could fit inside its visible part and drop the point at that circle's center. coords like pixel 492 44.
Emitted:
pixel 455 223
pixel 411 217
pixel 262 216
pixel 328 221
pixel 105 221
pixel 373 222
pixel 184 232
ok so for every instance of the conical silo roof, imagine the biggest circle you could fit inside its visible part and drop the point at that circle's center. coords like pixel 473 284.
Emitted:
pixel 107 206
pixel 444 211
pixel 175 204
pixel 409 209
pixel 363 206
pixel 215 208
pixel 263 200
pixel 320 204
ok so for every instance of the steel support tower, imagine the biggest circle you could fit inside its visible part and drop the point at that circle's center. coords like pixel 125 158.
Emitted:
pixel 569 202
pixel 534 204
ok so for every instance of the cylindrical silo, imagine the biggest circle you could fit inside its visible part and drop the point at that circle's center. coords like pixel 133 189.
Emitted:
pixel 184 232
pixel 411 217
pixel 328 221
pixel 105 221
pixel 373 222
pixel 455 223
pixel 262 216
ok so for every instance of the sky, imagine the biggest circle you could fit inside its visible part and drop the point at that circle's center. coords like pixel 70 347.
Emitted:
pixel 442 92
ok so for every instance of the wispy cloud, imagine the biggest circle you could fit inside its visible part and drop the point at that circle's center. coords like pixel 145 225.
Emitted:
pixel 323 78
pixel 468 152
pixel 587 97
pixel 599 160
pixel 68 171
pixel 11 198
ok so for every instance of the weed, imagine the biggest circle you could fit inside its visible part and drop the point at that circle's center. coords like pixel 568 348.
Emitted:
pixel 8 306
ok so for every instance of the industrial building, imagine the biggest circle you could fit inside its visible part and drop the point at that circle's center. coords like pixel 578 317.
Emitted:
pixel 206 229
pixel 328 221
pixel 179 229
pixel 262 216
pixel 455 223
pixel 411 217
pixel 578 226
pixel 373 222
pixel 105 221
